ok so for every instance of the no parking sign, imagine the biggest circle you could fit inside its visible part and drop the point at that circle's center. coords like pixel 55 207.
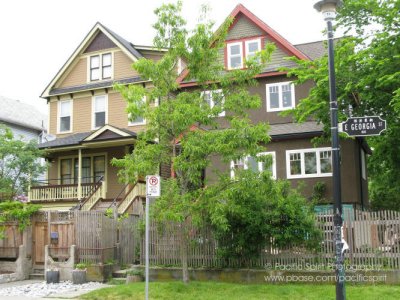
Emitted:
pixel 153 186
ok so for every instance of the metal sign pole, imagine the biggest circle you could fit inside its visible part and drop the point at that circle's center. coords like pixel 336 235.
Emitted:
pixel 147 246
pixel 153 190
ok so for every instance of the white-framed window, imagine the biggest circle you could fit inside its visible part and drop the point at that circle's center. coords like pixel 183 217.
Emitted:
pixel 235 55
pixel 215 98
pixel 99 111
pixel 304 163
pixel 100 67
pixel 252 47
pixel 139 120
pixel 280 96
pixel 251 163
pixel 65 116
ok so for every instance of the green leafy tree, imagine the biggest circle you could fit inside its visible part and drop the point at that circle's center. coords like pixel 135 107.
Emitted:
pixel 368 80
pixel 183 130
pixel 258 210
pixel 19 164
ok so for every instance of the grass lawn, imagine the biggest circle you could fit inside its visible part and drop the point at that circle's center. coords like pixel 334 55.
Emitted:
pixel 213 291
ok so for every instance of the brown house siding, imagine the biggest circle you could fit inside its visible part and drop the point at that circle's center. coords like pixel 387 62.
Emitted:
pixel 123 66
pixel 82 114
pixel 350 169
pixel 75 76
pixel 53 117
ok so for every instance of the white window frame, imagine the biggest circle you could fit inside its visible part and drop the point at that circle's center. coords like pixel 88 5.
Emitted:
pixel 130 123
pixel 258 41
pixel 229 45
pixel 246 166
pixel 363 164
pixel 59 116
pixel 94 112
pixel 273 154
pixel 302 162
pixel 212 103
pixel 100 55
pixel 280 84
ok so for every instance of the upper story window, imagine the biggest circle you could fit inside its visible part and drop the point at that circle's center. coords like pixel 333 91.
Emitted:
pixel 236 57
pixel 213 99
pixel 251 163
pixel 252 47
pixel 309 163
pixel 99 108
pixel 65 116
pixel 280 96
pixel 101 66
pixel 139 120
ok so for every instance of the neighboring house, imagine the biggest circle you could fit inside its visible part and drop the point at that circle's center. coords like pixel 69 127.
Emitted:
pixel 294 156
pixel 89 121
pixel 24 120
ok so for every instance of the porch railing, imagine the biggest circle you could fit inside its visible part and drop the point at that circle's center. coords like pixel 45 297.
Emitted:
pixel 138 190
pixel 46 191
pixel 97 192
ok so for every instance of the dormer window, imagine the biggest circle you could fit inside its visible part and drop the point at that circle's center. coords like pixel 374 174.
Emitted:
pixel 100 67
pixel 235 55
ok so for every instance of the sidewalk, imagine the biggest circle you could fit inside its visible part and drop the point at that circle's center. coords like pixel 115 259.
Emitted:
pixel 56 296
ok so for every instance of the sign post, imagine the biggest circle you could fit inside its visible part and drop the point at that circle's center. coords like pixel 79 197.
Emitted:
pixel 363 126
pixel 153 190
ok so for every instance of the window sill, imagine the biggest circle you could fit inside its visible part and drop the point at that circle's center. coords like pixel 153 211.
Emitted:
pixel 309 176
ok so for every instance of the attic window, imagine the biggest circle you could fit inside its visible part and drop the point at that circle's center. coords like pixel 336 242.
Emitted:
pixel 100 67
pixel 235 56
pixel 238 52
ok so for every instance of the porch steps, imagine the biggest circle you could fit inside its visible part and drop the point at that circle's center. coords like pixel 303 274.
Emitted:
pixel 37 273
pixel 103 204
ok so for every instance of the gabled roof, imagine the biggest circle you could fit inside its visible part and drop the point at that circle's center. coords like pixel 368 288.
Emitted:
pixel 240 9
pixel 21 114
pixel 104 133
pixel 124 45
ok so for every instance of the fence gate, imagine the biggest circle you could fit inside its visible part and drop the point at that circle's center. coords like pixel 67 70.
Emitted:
pixel 40 239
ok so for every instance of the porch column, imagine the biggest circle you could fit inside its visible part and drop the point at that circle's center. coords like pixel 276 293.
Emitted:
pixel 79 174
pixel 126 176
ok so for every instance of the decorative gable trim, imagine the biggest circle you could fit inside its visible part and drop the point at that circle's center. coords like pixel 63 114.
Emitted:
pixel 101 130
pixel 98 27
pixel 240 9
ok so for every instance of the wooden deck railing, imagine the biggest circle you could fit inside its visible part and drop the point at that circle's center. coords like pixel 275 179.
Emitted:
pixel 59 192
pixel 138 190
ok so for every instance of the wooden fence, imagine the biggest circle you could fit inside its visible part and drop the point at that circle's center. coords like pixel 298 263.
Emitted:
pixel 373 239
pixel 12 240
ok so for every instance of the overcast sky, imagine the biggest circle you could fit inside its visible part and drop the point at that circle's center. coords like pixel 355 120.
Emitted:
pixel 38 36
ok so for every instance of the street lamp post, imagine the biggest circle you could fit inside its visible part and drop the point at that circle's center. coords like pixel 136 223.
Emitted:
pixel 328 9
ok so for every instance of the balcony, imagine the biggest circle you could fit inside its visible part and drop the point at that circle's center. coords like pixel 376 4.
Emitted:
pixel 49 190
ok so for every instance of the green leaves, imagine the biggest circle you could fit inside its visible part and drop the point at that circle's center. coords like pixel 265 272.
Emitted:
pixel 19 163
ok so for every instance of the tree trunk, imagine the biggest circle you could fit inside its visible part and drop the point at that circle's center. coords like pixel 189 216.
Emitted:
pixel 184 254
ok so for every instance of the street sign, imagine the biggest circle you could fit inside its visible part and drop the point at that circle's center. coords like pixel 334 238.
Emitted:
pixel 363 126
pixel 153 186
